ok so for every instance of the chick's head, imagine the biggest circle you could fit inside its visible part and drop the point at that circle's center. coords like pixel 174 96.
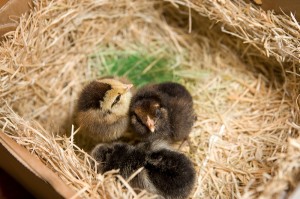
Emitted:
pixel 151 114
pixel 120 156
pixel 117 99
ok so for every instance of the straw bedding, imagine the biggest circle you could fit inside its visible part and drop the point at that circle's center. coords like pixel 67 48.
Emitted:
pixel 244 85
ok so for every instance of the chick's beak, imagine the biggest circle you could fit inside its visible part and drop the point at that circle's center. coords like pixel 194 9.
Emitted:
pixel 150 124
pixel 128 87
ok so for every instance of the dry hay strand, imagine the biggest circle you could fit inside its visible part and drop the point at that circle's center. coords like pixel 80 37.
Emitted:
pixel 240 131
pixel 244 113
pixel 68 161
pixel 286 178
pixel 273 35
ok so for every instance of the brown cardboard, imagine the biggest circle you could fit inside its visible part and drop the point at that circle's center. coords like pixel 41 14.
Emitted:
pixel 2 2
pixel 280 6
pixel 286 6
pixel 30 171
pixel 9 10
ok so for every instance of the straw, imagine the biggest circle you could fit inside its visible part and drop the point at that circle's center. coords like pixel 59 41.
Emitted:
pixel 241 65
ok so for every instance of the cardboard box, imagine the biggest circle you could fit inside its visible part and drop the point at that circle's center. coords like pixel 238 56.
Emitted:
pixel 280 6
pixel 10 11
pixel 29 171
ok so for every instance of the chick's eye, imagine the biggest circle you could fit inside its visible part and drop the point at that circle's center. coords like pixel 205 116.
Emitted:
pixel 116 100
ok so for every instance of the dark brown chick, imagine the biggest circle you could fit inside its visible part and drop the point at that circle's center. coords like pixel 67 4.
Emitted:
pixel 166 173
pixel 102 109
pixel 162 111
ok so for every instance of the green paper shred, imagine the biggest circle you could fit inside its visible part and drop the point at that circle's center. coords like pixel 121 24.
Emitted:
pixel 139 68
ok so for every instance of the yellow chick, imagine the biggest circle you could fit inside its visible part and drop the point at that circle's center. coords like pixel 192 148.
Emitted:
pixel 102 109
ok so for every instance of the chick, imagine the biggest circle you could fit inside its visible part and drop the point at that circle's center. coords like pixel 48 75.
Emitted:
pixel 166 173
pixel 171 173
pixel 162 111
pixel 102 109
pixel 119 155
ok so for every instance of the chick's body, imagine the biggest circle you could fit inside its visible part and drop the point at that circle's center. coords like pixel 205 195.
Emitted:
pixel 171 173
pixel 102 109
pixel 162 111
pixel 165 172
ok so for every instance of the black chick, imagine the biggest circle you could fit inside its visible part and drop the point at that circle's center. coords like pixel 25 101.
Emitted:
pixel 171 173
pixel 162 111
pixel 102 109
pixel 165 172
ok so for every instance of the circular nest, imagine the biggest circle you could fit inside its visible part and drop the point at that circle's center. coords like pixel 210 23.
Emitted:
pixel 245 101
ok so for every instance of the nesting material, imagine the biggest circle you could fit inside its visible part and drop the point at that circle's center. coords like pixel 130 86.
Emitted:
pixel 246 102
pixel 287 174
pixel 273 35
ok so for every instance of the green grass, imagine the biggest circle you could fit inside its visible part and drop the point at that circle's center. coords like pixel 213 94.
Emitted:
pixel 140 68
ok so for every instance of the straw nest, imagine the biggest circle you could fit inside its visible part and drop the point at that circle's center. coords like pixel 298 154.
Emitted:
pixel 245 86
